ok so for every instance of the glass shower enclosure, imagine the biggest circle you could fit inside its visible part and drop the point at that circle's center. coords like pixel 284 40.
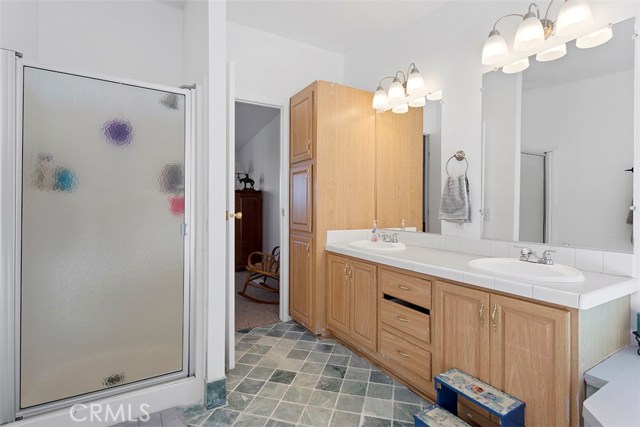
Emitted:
pixel 102 273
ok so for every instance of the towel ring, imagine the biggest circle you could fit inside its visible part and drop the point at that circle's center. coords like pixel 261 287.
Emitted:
pixel 459 156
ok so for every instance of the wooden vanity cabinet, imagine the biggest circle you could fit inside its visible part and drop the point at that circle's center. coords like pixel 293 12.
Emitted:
pixel 517 346
pixel 302 121
pixel 300 278
pixel 352 301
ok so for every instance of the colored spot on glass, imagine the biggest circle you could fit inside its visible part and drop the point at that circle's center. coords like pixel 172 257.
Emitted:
pixel 64 180
pixel 176 205
pixel 118 132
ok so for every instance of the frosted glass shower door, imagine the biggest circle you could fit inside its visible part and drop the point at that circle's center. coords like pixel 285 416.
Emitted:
pixel 104 295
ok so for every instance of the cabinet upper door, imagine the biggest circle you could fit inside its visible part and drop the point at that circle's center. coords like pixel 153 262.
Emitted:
pixel 302 116
pixel 301 188
pixel 530 358
pixel 364 298
pixel 300 275
pixel 338 293
pixel 461 322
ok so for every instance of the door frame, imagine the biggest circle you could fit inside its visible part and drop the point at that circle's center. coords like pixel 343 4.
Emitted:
pixel 185 385
pixel 283 106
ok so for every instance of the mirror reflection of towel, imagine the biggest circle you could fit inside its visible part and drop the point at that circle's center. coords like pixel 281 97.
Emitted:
pixel 630 220
pixel 455 206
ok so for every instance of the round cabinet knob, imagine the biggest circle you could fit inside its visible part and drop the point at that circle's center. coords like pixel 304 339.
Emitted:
pixel 632 208
pixel 237 215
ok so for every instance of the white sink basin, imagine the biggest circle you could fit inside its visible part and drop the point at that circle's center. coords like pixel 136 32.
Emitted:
pixel 516 269
pixel 378 246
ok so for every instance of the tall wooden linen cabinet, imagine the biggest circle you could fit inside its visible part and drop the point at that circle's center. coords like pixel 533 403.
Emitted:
pixel 331 185
pixel 334 133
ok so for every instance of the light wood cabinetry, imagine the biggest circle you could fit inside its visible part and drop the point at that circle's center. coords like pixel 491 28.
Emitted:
pixel 517 346
pixel 352 300
pixel 300 293
pixel 332 182
pixel 535 351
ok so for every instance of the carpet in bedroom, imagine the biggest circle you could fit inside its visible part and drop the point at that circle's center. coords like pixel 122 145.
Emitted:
pixel 250 314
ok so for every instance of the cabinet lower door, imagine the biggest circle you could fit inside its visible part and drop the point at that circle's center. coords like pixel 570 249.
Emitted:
pixel 530 358
pixel 339 297
pixel 364 319
pixel 301 198
pixel 300 279
pixel 461 320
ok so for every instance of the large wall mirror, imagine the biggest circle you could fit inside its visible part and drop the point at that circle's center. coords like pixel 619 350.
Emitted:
pixel 558 148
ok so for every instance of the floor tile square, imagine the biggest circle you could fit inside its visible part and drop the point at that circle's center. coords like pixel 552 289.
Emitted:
pixel 249 386
pixel 275 333
pixel 403 394
pixel 283 377
pixel 329 384
pixel 250 338
pixel 240 370
pixel 263 406
pixel 248 420
pixel 323 348
pixel 273 390
pixel 306 336
pixel 349 403
pixel 323 399
pixel 297 394
pixel 405 411
pixel 260 373
pixel 378 408
pixel 282 326
pixel 357 374
pixel 375 422
pixel 339 349
pixel 344 419
pixel 306 380
pixel 259 349
pixel 278 423
pixel 292 335
pixel 267 340
pixel 355 388
pixel 316 417
pixel 380 391
pixel 379 377
pixel 358 362
pixel 238 401
pixel 243 346
pixel 269 362
pixel 304 345
pixel 337 359
pixel 293 365
pixel 289 412
pixel 334 371
pixel 250 359
pixel 298 354
pixel 221 418
pixel 312 368
pixel 318 357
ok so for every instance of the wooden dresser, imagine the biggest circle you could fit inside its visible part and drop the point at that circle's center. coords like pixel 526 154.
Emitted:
pixel 249 228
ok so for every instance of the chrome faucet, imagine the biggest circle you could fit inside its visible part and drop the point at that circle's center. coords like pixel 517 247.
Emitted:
pixel 527 253
pixel 393 238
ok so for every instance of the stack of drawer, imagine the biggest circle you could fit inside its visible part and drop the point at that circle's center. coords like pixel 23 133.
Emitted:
pixel 405 325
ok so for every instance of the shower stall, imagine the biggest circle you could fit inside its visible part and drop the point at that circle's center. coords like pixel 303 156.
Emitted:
pixel 95 244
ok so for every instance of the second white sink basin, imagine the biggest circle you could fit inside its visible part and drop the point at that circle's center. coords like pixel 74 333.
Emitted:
pixel 378 246
pixel 516 269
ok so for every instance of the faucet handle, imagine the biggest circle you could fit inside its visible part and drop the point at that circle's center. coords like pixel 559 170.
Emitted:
pixel 546 257
pixel 525 252
pixel 394 238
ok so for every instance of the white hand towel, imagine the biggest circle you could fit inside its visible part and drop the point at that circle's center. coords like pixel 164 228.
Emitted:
pixel 455 206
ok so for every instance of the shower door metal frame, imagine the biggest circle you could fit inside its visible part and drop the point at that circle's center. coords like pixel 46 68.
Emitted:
pixel 188 350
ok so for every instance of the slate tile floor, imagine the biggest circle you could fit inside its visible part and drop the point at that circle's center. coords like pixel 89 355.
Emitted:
pixel 285 376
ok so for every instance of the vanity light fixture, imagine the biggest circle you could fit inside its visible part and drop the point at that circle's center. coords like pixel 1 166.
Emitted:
pixel 406 90
pixel 595 39
pixel 574 17
pixel 516 67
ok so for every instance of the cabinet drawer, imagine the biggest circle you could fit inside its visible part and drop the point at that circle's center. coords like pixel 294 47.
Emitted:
pixel 474 415
pixel 406 354
pixel 408 288
pixel 405 319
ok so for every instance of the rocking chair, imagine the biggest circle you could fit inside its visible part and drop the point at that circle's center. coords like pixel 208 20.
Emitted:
pixel 261 267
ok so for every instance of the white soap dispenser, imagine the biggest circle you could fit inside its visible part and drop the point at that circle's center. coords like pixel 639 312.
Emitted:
pixel 374 231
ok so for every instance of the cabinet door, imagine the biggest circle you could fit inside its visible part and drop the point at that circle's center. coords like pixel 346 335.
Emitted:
pixel 530 358
pixel 302 126
pixel 461 321
pixel 339 296
pixel 300 279
pixel 364 298
pixel 301 209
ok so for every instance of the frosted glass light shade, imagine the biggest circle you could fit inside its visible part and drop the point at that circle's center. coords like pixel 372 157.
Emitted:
pixel 574 17
pixel 530 34
pixel 516 67
pixel 396 91
pixel 595 39
pixel 380 100
pixel 435 96
pixel 495 49
pixel 415 82
pixel 418 102
pixel 400 109
pixel 552 54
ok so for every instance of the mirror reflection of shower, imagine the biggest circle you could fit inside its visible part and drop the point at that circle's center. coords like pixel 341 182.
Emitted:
pixel 535 196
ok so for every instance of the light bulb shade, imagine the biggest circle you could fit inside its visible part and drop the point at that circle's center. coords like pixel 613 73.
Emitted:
pixel 380 100
pixel 400 109
pixel 530 34
pixel 516 67
pixel 396 91
pixel 418 102
pixel 495 49
pixel 552 54
pixel 574 17
pixel 595 39
pixel 435 96
pixel 415 82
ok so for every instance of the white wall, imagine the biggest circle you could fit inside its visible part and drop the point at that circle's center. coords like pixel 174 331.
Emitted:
pixel 587 122
pixel 270 68
pixel 261 159
pixel 139 40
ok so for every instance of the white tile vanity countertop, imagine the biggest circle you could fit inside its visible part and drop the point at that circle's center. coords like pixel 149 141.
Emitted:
pixel 597 289
pixel 616 404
